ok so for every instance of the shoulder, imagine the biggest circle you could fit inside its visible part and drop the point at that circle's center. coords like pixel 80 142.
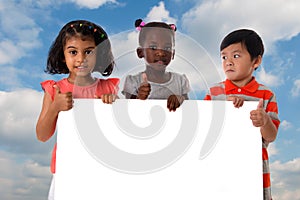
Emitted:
pixel 219 85
pixel 135 78
pixel 179 77
pixel 110 81
pixel 266 91
pixel 107 86
pixel 47 86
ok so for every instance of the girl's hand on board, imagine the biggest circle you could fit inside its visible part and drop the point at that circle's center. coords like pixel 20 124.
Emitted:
pixel 107 98
pixel 174 101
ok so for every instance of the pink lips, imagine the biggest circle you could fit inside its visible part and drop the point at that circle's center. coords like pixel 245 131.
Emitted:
pixel 160 62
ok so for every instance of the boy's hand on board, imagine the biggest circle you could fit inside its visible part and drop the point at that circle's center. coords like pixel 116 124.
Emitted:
pixel 237 101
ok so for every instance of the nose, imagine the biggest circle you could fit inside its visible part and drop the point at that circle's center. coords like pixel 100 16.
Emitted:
pixel 80 58
pixel 228 62
pixel 160 52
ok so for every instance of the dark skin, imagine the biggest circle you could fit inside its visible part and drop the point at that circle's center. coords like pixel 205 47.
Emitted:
pixel 173 102
pixel 158 52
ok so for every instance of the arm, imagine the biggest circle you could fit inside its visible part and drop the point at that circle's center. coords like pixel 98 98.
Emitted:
pixel 261 119
pixel 46 123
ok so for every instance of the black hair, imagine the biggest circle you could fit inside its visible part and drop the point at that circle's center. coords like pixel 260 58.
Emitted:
pixel 249 38
pixel 142 35
pixel 84 29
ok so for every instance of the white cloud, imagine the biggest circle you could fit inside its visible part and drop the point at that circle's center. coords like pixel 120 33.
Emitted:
pixel 159 13
pixel 296 88
pixel 268 79
pixel 285 179
pixel 25 172
pixel 22 179
pixel 17 36
pixel 19 113
pixel 210 21
pixel 272 150
pixel 285 125
pixel 92 4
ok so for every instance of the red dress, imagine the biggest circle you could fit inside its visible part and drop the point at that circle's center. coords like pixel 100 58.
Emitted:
pixel 101 86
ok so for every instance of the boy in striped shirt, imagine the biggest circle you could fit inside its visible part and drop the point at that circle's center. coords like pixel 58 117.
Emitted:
pixel 241 53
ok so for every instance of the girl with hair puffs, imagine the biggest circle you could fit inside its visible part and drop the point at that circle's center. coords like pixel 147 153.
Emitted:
pixel 156 46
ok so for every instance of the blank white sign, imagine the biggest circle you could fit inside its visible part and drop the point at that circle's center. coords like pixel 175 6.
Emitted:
pixel 138 150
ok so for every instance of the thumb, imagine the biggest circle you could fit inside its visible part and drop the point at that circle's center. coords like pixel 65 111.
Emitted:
pixel 260 104
pixel 144 78
pixel 57 89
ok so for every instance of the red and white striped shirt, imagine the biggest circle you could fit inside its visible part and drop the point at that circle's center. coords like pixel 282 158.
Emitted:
pixel 253 91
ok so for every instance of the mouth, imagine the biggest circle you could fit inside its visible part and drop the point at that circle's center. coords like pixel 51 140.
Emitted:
pixel 81 67
pixel 229 71
pixel 160 62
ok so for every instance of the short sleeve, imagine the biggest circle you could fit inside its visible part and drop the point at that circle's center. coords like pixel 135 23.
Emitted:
pixel 185 84
pixel 131 85
pixel 108 86
pixel 47 86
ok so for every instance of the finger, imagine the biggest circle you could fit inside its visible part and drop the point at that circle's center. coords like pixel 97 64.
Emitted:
pixel 104 98
pixel 260 104
pixel 144 78
pixel 57 89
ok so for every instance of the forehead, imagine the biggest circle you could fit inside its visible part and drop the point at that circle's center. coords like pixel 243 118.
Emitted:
pixel 158 34
pixel 80 41
pixel 236 47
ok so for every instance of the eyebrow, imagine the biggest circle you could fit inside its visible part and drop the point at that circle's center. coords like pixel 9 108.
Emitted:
pixel 234 51
pixel 72 47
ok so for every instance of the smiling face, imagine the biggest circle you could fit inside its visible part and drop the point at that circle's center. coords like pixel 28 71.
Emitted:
pixel 237 64
pixel 80 56
pixel 158 48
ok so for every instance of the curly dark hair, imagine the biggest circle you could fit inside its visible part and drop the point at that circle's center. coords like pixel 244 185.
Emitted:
pixel 144 29
pixel 85 29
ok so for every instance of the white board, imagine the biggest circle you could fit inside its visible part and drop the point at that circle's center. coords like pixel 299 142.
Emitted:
pixel 134 149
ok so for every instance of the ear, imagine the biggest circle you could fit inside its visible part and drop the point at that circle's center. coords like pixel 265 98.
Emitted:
pixel 140 52
pixel 257 62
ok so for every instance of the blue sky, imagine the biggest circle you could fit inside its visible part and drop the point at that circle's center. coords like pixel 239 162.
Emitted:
pixel 28 27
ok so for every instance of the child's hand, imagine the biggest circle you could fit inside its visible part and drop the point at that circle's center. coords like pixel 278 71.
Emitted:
pixel 62 102
pixel 107 98
pixel 237 101
pixel 144 89
pixel 174 101
pixel 259 116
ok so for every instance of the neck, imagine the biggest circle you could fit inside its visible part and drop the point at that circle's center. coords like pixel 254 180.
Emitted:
pixel 243 82
pixel 157 76
pixel 81 80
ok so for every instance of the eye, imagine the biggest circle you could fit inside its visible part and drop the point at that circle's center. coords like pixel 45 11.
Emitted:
pixel 90 52
pixel 168 48
pixel 73 52
pixel 236 55
pixel 223 57
pixel 153 47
